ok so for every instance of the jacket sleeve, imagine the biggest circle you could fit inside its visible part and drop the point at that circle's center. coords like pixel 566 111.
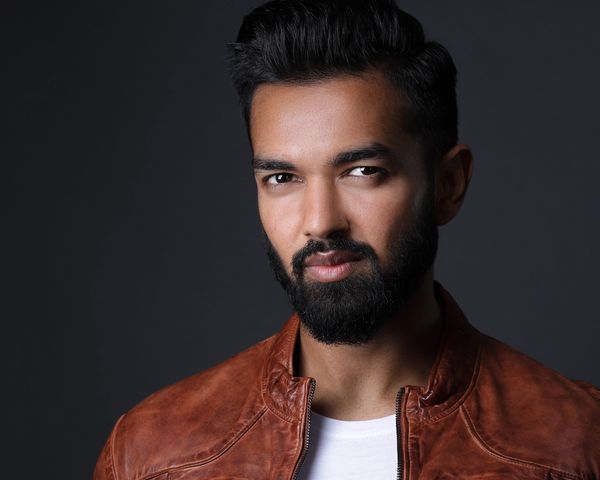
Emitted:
pixel 105 467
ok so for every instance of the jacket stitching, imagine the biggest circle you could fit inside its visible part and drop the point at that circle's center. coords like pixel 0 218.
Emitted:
pixel 515 461
pixel 406 431
pixel 213 457
pixel 272 408
pixel 268 402
pixel 465 395
pixel 264 384
pixel 271 405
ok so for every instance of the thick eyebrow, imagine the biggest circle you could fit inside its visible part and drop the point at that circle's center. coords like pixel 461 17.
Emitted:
pixel 373 150
pixel 259 163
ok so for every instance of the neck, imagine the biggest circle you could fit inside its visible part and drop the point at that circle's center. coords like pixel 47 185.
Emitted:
pixel 361 382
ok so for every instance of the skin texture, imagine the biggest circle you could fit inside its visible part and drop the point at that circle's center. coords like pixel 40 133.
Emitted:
pixel 297 130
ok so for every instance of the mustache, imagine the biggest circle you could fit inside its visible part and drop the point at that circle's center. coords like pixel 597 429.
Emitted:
pixel 341 244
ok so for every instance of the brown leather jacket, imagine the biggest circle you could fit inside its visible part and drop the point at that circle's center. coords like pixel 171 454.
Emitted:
pixel 488 412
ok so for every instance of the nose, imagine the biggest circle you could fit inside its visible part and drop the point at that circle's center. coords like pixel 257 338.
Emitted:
pixel 324 215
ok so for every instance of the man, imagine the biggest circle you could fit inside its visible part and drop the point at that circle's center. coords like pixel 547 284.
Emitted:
pixel 352 120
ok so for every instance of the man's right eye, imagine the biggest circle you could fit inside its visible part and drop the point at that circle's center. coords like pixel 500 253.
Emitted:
pixel 279 178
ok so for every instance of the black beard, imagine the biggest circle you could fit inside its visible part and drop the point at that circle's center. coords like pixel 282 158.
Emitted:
pixel 351 311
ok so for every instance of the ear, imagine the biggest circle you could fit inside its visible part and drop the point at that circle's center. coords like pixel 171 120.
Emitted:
pixel 452 180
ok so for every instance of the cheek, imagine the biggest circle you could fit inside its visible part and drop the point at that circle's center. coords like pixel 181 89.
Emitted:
pixel 379 219
pixel 280 225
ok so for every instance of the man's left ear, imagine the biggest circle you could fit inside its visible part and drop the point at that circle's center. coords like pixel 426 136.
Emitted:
pixel 453 174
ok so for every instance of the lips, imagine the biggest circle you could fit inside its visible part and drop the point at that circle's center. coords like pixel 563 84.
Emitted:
pixel 328 259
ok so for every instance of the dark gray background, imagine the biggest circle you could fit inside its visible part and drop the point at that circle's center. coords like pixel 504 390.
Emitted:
pixel 134 255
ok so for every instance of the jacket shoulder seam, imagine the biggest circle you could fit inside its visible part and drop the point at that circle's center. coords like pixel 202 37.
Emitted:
pixel 478 439
pixel 111 449
pixel 214 456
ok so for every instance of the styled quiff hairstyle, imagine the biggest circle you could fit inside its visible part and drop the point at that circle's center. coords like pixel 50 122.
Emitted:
pixel 304 41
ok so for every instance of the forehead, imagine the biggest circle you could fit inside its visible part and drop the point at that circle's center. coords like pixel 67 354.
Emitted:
pixel 325 116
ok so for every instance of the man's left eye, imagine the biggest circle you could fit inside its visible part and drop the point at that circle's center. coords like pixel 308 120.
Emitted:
pixel 363 171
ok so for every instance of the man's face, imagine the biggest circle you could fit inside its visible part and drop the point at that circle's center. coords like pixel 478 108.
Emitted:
pixel 344 199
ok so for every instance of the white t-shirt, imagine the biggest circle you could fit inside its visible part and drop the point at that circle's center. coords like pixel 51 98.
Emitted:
pixel 348 450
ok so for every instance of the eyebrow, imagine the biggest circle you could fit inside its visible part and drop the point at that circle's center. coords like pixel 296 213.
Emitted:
pixel 373 150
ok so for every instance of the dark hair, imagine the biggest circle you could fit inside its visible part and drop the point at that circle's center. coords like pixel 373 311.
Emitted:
pixel 309 40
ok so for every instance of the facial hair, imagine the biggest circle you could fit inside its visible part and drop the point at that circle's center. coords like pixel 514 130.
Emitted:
pixel 351 311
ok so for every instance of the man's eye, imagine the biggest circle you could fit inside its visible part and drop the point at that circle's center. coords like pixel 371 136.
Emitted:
pixel 364 171
pixel 279 178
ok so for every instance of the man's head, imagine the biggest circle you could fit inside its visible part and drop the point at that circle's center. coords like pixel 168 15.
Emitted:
pixel 303 41
pixel 352 119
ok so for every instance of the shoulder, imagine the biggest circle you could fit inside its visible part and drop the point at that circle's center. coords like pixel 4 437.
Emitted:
pixel 192 420
pixel 525 412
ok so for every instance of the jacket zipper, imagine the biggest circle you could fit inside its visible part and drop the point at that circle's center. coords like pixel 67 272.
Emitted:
pixel 399 435
pixel 311 394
